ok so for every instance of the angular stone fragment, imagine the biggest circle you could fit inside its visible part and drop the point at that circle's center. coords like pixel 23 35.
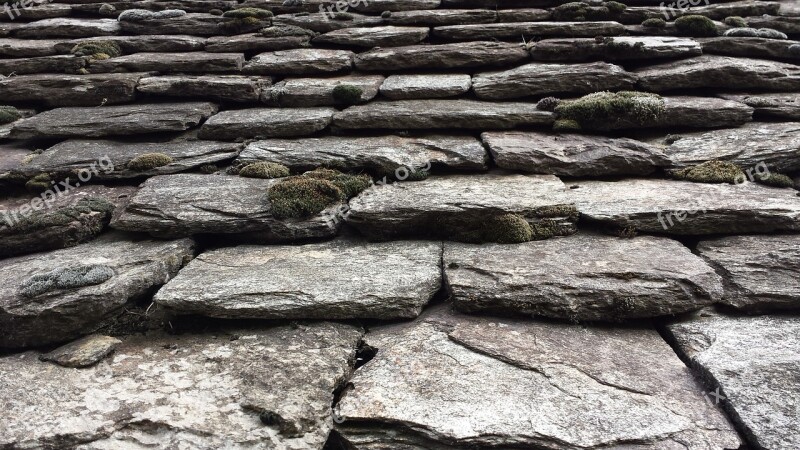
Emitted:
pixel 720 72
pixel 70 90
pixel 620 48
pixel 572 155
pixel 113 120
pixel 187 204
pixel 42 64
pixel 225 88
pixel 232 389
pixel 265 123
pixel 437 17
pixel 255 43
pixel 446 56
pixel 750 47
pixel 428 114
pixel 67 28
pixel 515 30
pixel 50 314
pixel 320 91
pixel 782 105
pixel 300 62
pixel 451 381
pixel 385 36
pixel 26 48
pixel 322 23
pixel 86 351
pixel 342 279
pixel 191 62
pixel 754 362
pixel 402 87
pixel 686 208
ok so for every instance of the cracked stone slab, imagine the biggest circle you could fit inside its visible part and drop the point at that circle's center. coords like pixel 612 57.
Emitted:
pixel 67 28
pixel 118 120
pixel 187 204
pixel 515 30
pixel 581 277
pixel 404 87
pixel 210 394
pixel 319 91
pixel 572 155
pixel 154 43
pixel 193 24
pixel 441 206
pixel 59 314
pixel 84 352
pixel 448 381
pixel 686 208
pixel 185 62
pixel 255 43
pixel 70 90
pixel 262 123
pixel 445 56
pixel 781 105
pixel 69 64
pixel 307 61
pixel 750 47
pixel 383 36
pixel 619 48
pixel 438 17
pixel 341 279
pixel 36 11
pixel 27 48
pixel 221 88
pixel 321 22
pixel 784 24
pixel 754 361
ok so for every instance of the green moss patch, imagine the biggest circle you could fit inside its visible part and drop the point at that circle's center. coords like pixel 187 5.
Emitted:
pixel 566 125
pixel 242 13
pixel 696 26
pixel 63 216
pixel 547 104
pixel 347 94
pixel 66 278
pixel 615 7
pixel 308 194
pixel 39 183
pixel 91 48
pixel 775 179
pixel 264 170
pixel 735 21
pixel 149 161
pixel 508 229
pixel 607 110
pixel 350 185
pixel 711 172
pixel 9 114
pixel 654 22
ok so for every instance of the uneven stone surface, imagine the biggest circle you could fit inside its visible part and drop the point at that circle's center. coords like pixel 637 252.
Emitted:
pixel 619 48
pixel 447 56
pixel 300 62
pixel 527 29
pixel 67 28
pixel 402 87
pixel 225 88
pixel 781 105
pixel 434 17
pixel 322 23
pixel 450 381
pixel 70 90
pixel 750 47
pixel 86 351
pixel 720 72
pixel 341 279
pixel 23 48
pixel 255 42
pixel 153 43
pixel 788 25
pixel 59 314
pixel 754 361
pixel 194 24
pixel 43 64
pixel 266 122
pixel 209 395
pixel 386 36
pixel 191 62
pixel 319 91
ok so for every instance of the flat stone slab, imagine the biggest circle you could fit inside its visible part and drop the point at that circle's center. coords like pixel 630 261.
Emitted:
pixel 341 279
pixel 193 24
pixel 452 381
pixel 404 87
pixel 189 62
pixel 70 90
pixel 619 48
pixel 750 47
pixel 36 12
pixel 121 120
pixel 300 62
pixel 255 43
pixel 686 208
pixel 58 64
pixel 572 155
pixel 380 154
pixel 164 43
pixel 782 105
pixel 266 122
pixel 26 48
pixel 222 88
pixel 447 205
pixel 445 56
pixel 67 28
pixel 384 36
pixel 378 6
pixel 85 352
pixel 210 394
pixel 430 114
pixel 437 17
pixel 754 362
pixel 322 23
pixel 543 78
pixel 319 91
pixel 581 277
pixel 187 204
pixel 515 30
pixel 784 24
pixel 36 310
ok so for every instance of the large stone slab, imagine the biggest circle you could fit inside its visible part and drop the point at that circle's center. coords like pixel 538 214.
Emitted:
pixel 445 56
pixel 322 23
pixel 119 120
pixel 620 48
pixel 194 24
pixel 377 6
pixel 189 62
pixel 782 105
pixel 754 362
pixel 51 297
pixel 67 28
pixel 69 64
pixel 320 91
pixel 572 155
pixel 223 88
pixel 516 30
pixel 152 43
pixel 450 381
pixel 234 388
pixel 784 24
pixel 26 48
pixel 187 204
pixel 686 208
pixel 403 87
pixel 384 36
pixel 581 277
pixel 751 47
pixel 70 90
pixel 35 11
pixel 341 279
pixel 429 114
pixel 300 62
pixel 266 122
pixel 255 43
pixel 437 17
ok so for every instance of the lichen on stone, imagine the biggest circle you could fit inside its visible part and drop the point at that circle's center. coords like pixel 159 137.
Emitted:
pixel 615 7
pixel 547 104
pixel 347 94
pixel 39 183
pixel 62 216
pixel 149 161
pixel 91 48
pixel 241 13
pixel 774 179
pixel 566 125
pixel 9 114
pixel 696 26
pixel 607 110
pixel 308 194
pixel 735 21
pixel 710 172
pixel 654 22
pixel 137 15
pixel 265 170
pixel 66 278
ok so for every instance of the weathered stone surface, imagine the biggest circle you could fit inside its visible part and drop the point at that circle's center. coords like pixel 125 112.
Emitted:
pixel 225 88
pixel 67 28
pixel 620 48
pixel 515 30
pixel 70 90
pixel 300 62
pixel 86 351
pixel 446 56
pixel 188 390
pixel 60 314
pixel 542 78
pixel 703 112
pixel 152 43
pixel 113 120
pixel 25 48
pixel 380 154
pixel 720 72
pixel 754 361
pixel 191 62
pixel 784 24
pixel 402 87
pixel 423 114
pixel 450 381
pixel 686 208
pixel 186 204
pixel 572 155
pixel 319 91
pixel 265 123
pixel 581 277
pixel 255 43
pixel 193 24
pixel 385 36
pixel 523 15
pixel 35 11
pixel 437 17
pixel 341 279
pixel 447 205
pixel 378 6
pixel 782 105
pixel 12 156
pixel 42 64
pixel 322 22
pixel 750 47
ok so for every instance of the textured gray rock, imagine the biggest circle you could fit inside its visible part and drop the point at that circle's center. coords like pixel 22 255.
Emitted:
pixel 750 47
pixel 119 120
pixel 754 361
pixel 402 87
pixel 300 62
pixel 43 64
pixel 36 11
pixel 59 314
pixel 210 394
pixel 255 43
pixel 322 23
pixel 265 123
pixel 193 24
pixel 153 43
pixel 67 28
pixel 720 72
pixel 189 62
pixel 785 24
pixel 224 88
pixel 686 208
pixel 450 381
pixel 61 90
pixel 620 48
pixel 84 352
pixel 319 91
pixel 24 48
pixel 573 155
pixel 445 56
pixel 187 204
pixel 437 17
pixel 782 105
pixel 385 36
pixel 341 279
pixel 377 6
pixel 515 30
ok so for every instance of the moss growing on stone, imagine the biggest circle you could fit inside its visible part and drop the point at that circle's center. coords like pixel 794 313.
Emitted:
pixel 298 197
pixel 350 185
pixel 386 14
pixel 149 161
pixel 9 114
pixel 615 7
pixel 216 12
pixel 696 26
pixel 208 169
pixel 66 278
pixel 39 183
pixel 710 172
pixel 628 232
pixel 92 48
pixel 735 21
pixel 566 125
pixel 347 94
pixel 654 22
pixel 547 104
pixel 608 110
pixel 264 170
pixel 775 179
pixel 577 11
pixel 63 216
pixel 343 16
pixel 243 13
pixel 508 229
pixel 672 138
pixel 417 175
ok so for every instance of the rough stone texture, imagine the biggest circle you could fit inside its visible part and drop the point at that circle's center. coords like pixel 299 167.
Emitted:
pixel 120 120
pixel 191 62
pixel 23 48
pixel 194 24
pixel 380 154
pixel 265 123
pixel 542 78
pixel 780 105
pixel 62 314
pixel 437 17
pixel 527 29
pixel 686 208
pixel 86 351
pixel 788 25
pixel 620 48
pixel 70 90
pixel 319 91
pixel 300 62
pixel 750 47
pixel 755 362
pixel 403 87
pixel 35 12
pixel 573 155
pixel 67 28
pixel 450 381
pixel 225 88
pixel 427 114
pixel 188 204
pixel 446 56
pixel 441 206
pixel 385 36
pixel 152 43
pixel 341 279
pixel 377 6
pixel 43 64
pixel 581 277
pixel 255 43
pixel 185 391
pixel 321 22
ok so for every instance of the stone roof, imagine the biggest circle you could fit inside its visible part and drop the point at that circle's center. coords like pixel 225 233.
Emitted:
pixel 386 224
